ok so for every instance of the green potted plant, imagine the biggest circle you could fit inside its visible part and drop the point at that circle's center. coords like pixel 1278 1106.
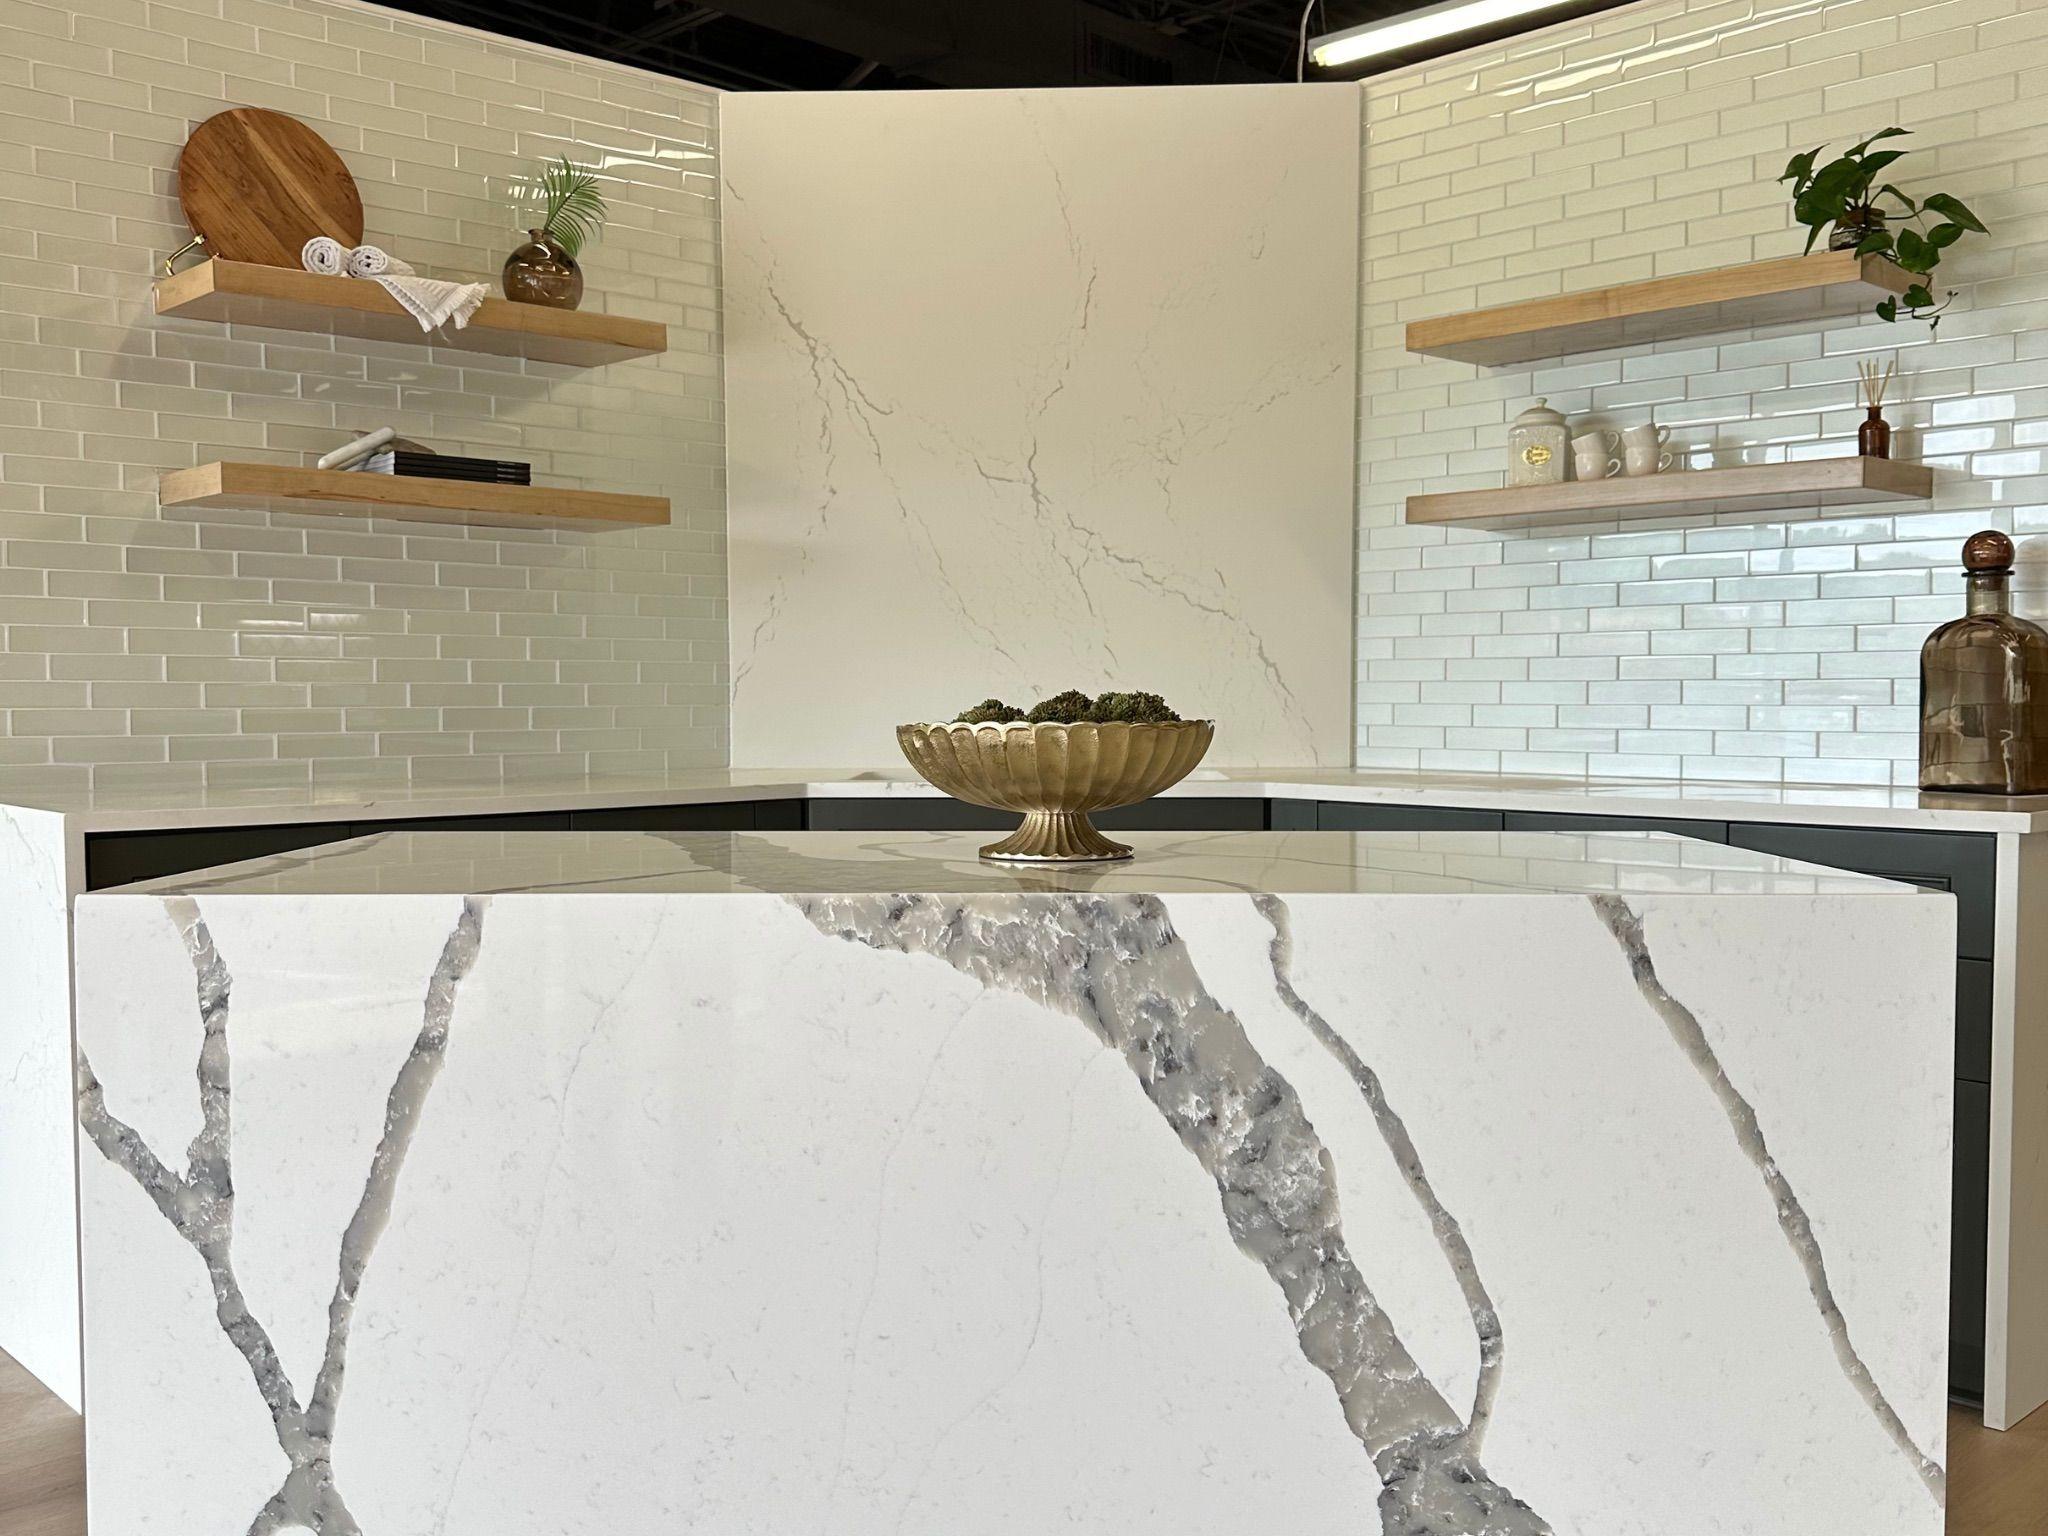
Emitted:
pixel 1846 198
pixel 570 205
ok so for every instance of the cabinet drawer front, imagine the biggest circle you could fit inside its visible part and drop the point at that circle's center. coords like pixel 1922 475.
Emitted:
pixel 728 816
pixel 905 814
pixel 1341 816
pixel 120 858
pixel 1178 813
pixel 1961 862
pixel 518 821
pixel 1564 821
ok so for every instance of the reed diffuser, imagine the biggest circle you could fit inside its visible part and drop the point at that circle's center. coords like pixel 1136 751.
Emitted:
pixel 1874 437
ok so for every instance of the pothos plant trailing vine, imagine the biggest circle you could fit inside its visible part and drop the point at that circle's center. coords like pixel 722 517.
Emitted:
pixel 1847 195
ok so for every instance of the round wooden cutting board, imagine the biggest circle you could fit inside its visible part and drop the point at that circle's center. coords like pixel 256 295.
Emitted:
pixel 258 185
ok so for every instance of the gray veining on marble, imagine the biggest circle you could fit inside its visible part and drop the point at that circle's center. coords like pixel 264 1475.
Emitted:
pixel 1112 444
pixel 200 1205
pixel 1627 927
pixel 1116 964
pixel 1486 1324
pixel 952 1181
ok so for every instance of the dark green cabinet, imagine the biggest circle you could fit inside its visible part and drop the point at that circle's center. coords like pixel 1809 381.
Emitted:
pixel 121 858
pixel 1959 862
pixel 1343 816
pixel 1568 821
pixel 921 813
pixel 726 816
pixel 1971 1196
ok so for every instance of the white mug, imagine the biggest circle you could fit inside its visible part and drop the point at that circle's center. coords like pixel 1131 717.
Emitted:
pixel 1643 449
pixel 1595 465
pixel 1593 454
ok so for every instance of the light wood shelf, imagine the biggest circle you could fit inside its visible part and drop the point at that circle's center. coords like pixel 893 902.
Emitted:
pixel 1807 487
pixel 355 493
pixel 1794 288
pixel 285 299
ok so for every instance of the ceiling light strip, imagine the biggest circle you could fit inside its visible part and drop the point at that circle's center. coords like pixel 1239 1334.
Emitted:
pixel 1398 33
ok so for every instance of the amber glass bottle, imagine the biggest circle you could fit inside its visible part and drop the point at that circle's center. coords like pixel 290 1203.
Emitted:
pixel 1984 687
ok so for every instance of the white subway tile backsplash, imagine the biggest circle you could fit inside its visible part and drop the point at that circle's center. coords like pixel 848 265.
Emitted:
pixel 1647 140
pixel 250 648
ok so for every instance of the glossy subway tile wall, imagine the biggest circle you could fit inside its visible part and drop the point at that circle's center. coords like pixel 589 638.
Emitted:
pixel 1646 142
pixel 231 647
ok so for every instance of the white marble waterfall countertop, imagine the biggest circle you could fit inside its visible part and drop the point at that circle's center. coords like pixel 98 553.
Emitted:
pixel 1449 1184
pixel 139 809
pixel 1167 864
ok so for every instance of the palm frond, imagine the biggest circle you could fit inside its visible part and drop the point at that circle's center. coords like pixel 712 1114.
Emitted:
pixel 570 201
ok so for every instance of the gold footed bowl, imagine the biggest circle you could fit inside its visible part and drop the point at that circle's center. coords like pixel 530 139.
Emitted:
pixel 1055 775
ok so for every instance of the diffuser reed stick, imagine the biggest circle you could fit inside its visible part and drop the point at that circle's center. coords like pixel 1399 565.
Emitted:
pixel 1874 437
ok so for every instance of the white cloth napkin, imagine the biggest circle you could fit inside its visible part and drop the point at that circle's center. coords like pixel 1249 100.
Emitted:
pixel 433 302
pixel 428 300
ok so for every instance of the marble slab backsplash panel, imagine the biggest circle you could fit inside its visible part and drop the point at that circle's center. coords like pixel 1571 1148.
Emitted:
pixel 1645 141
pixel 218 647
pixel 1038 390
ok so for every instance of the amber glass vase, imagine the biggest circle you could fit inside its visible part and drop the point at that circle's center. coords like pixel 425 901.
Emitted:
pixel 543 272
pixel 1984 687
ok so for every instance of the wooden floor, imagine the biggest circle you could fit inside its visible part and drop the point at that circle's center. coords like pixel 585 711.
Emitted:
pixel 42 1459
pixel 1998 1484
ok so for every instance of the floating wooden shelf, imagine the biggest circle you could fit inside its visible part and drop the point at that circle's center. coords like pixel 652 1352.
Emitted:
pixel 352 493
pixel 285 299
pixel 1815 287
pixel 1806 487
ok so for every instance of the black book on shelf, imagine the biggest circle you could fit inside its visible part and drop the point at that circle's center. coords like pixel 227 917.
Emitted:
pixel 421 474
pixel 446 466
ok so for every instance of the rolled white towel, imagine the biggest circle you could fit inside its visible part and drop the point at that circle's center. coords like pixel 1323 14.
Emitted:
pixel 431 302
pixel 370 261
pixel 325 255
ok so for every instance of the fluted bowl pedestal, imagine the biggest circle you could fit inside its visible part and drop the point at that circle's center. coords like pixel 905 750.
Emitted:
pixel 1055 775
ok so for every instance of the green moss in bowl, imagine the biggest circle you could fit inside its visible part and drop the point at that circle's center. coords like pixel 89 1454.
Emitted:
pixel 1073 707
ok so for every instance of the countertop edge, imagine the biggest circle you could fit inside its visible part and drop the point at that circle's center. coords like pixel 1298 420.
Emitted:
pixel 1686 802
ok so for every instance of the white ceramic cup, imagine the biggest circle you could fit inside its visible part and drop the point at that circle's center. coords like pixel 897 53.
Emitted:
pixel 1593 454
pixel 1643 451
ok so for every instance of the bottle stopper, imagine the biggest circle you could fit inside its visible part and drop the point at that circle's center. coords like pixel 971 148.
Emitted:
pixel 1989 550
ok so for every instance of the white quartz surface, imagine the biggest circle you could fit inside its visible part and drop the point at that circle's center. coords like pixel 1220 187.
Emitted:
pixel 1011 1213
pixel 1045 389
pixel 38 1233
pixel 1165 863
pixel 128 809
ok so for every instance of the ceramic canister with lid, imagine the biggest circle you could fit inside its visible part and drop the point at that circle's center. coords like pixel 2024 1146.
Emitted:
pixel 1538 447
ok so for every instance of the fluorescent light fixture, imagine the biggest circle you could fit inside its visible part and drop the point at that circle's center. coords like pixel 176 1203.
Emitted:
pixel 1424 26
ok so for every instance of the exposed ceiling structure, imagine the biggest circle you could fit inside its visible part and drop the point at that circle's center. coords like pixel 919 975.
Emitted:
pixel 814 45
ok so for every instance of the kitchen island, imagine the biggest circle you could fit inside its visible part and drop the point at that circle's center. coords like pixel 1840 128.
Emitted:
pixel 56 845
pixel 776 1181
